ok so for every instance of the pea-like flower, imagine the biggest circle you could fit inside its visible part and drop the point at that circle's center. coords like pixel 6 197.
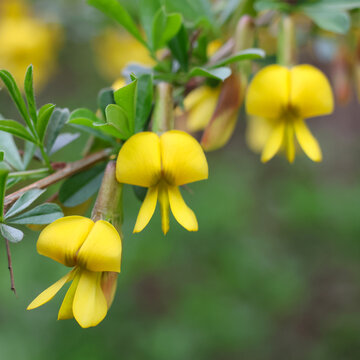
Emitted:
pixel 284 98
pixel 162 164
pixel 94 250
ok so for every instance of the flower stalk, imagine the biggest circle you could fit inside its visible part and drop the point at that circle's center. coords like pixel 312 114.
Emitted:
pixel 163 118
pixel 286 42
pixel 108 205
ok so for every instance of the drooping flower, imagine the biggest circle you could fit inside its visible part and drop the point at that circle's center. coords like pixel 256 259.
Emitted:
pixel 94 252
pixel 162 164
pixel 284 98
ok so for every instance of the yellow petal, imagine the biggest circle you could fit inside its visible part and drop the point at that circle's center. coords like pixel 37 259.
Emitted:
pixel 147 209
pixel 258 131
pixel 66 311
pixel 310 91
pixel 273 143
pixel 289 142
pixel 139 160
pixel 307 141
pixel 268 93
pixel 62 239
pixel 182 213
pixel 108 286
pixel 164 207
pixel 195 97
pixel 101 250
pixel 183 159
pixel 51 291
pixel 89 306
pixel 200 105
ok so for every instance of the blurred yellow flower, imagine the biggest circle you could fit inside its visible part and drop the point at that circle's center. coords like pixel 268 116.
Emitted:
pixel 162 164
pixel 284 98
pixel 115 50
pixel 26 40
pixel 94 250
pixel 200 105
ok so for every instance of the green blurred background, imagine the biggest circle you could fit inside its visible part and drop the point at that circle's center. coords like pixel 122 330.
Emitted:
pixel 273 272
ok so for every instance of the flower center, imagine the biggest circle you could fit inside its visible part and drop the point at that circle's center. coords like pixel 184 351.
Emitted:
pixel 289 114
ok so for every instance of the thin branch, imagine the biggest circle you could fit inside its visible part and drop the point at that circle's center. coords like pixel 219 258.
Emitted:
pixel 10 266
pixel 68 170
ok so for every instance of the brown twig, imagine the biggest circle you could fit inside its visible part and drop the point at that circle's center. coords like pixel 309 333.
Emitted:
pixel 68 170
pixel 10 266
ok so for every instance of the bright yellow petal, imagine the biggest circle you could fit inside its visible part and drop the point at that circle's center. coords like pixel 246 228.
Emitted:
pixel 51 291
pixel 101 250
pixel 89 306
pixel 147 209
pixel 183 159
pixel 310 92
pixel 62 239
pixel 66 311
pixel 164 207
pixel 307 141
pixel 139 160
pixel 273 143
pixel 182 213
pixel 268 93
pixel 289 142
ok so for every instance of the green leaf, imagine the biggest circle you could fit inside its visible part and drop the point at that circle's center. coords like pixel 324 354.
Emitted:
pixel 82 186
pixel 57 120
pixel 125 98
pixel 116 117
pixel 43 120
pixel 15 94
pixel 179 46
pixel 15 128
pixel 98 130
pixel 8 146
pixel 105 97
pixel 10 233
pixel 333 5
pixel 63 140
pixel 24 202
pixel 194 11
pixel 114 10
pixel 85 117
pixel 3 177
pixel 148 9
pixel 29 93
pixel 279 5
pixel 29 152
pixel 144 97
pixel 2 156
pixel 335 21
pixel 164 28
pixel 42 214
pixel 248 54
pixel 220 73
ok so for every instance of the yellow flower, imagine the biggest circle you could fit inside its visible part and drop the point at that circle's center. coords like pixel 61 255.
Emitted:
pixel 199 106
pixel 94 250
pixel 26 40
pixel 115 50
pixel 162 164
pixel 285 98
